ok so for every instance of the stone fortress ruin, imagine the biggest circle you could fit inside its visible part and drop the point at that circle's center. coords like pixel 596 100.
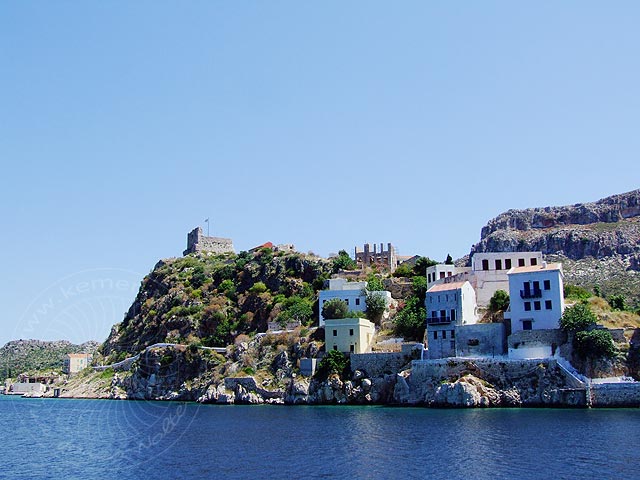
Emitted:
pixel 198 242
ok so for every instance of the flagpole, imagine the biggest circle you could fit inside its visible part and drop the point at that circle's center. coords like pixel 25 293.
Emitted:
pixel 207 222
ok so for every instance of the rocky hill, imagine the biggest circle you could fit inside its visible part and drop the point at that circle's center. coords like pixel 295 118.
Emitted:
pixel 20 356
pixel 209 300
pixel 598 242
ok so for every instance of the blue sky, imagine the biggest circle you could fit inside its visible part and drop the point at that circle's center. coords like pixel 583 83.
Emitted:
pixel 123 125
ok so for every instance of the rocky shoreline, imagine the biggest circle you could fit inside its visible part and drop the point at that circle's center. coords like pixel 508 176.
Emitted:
pixel 446 383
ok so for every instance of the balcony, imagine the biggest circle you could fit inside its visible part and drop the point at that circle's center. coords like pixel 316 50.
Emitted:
pixel 438 320
pixel 536 293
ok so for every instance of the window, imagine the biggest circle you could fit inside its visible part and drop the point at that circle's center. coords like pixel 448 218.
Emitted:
pixel 547 304
pixel 547 284
pixel 453 315
pixel 448 274
pixel 346 300
pixel 527 325
pixel 429 277
pixel 498 264
pixel 527 306
pixel 521 262
pixel 534 261
pixel 446 297
pixel 444 334
pixel 335 347
pixel 485 264
pixel 351 332
pixel 507 263
pixel 335 333
pixel 443 314
pixel 352 348
pixel 357 301
pixel 536 286
pixel 435 335
pixel 453 334
pixel 441 274
pixel 536 305
pixel 453 344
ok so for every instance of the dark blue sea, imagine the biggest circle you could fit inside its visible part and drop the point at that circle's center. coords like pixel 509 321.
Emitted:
pixel 58 438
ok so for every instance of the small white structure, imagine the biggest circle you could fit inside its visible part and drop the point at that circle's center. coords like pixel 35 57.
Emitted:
pixel 348 335
pixel 536 297
pixel 75 362
pixel 350 292
pixel 489 271
pixel 24 388
pixel 448 305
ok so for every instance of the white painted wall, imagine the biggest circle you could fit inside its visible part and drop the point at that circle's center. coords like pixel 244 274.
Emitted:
pixel 338 335
pixel 543 318
pixel 523 353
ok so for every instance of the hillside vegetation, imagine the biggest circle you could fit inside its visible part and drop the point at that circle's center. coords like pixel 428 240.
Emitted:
pixel 209 300
pixel 28 356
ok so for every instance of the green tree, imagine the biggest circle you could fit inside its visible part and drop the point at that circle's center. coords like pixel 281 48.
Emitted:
pixel 577 317
pixel 420 268
pixel 334 362
pixel 376 305
pixel 334 308
pixel 594 344
pixel 296 308
pixel 374 283
pixel 499 302
pixel 410 321
pixel 419 287
pixel 343 262
pixel 449 260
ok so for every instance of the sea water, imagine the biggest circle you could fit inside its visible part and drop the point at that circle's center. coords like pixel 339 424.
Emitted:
pixel 65 438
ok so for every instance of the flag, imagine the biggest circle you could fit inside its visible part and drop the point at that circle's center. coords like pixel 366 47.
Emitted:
pixel 206 220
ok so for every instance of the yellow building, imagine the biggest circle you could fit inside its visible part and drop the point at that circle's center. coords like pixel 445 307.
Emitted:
pixel 74 362
pixel 348 335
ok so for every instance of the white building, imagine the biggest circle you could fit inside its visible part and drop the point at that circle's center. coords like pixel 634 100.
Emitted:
pixel 75 362
pixel 489 271
pixel 349 335
pixel 448 305
pixel 536 297
pixel 353 293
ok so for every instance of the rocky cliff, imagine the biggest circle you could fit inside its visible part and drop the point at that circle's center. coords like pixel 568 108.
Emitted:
pixel 598 242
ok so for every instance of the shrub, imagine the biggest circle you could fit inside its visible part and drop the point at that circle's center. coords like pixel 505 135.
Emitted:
pixel 403 271
pixel 334 362
pixel 343 262
pixel 334 308
pixel 594 344
pixel 374 284
pixel 355 314
pixel 499 302
pixel 410 321
pixel 258 287
pixel 576 293
pixel 577 317
pixel 617 302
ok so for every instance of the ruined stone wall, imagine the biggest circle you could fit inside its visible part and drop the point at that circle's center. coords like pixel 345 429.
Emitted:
pixel 197 242
pixel 379 364
pixel 615 394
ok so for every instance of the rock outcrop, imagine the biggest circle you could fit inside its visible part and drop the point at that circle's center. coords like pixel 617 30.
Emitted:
pixel 598 243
